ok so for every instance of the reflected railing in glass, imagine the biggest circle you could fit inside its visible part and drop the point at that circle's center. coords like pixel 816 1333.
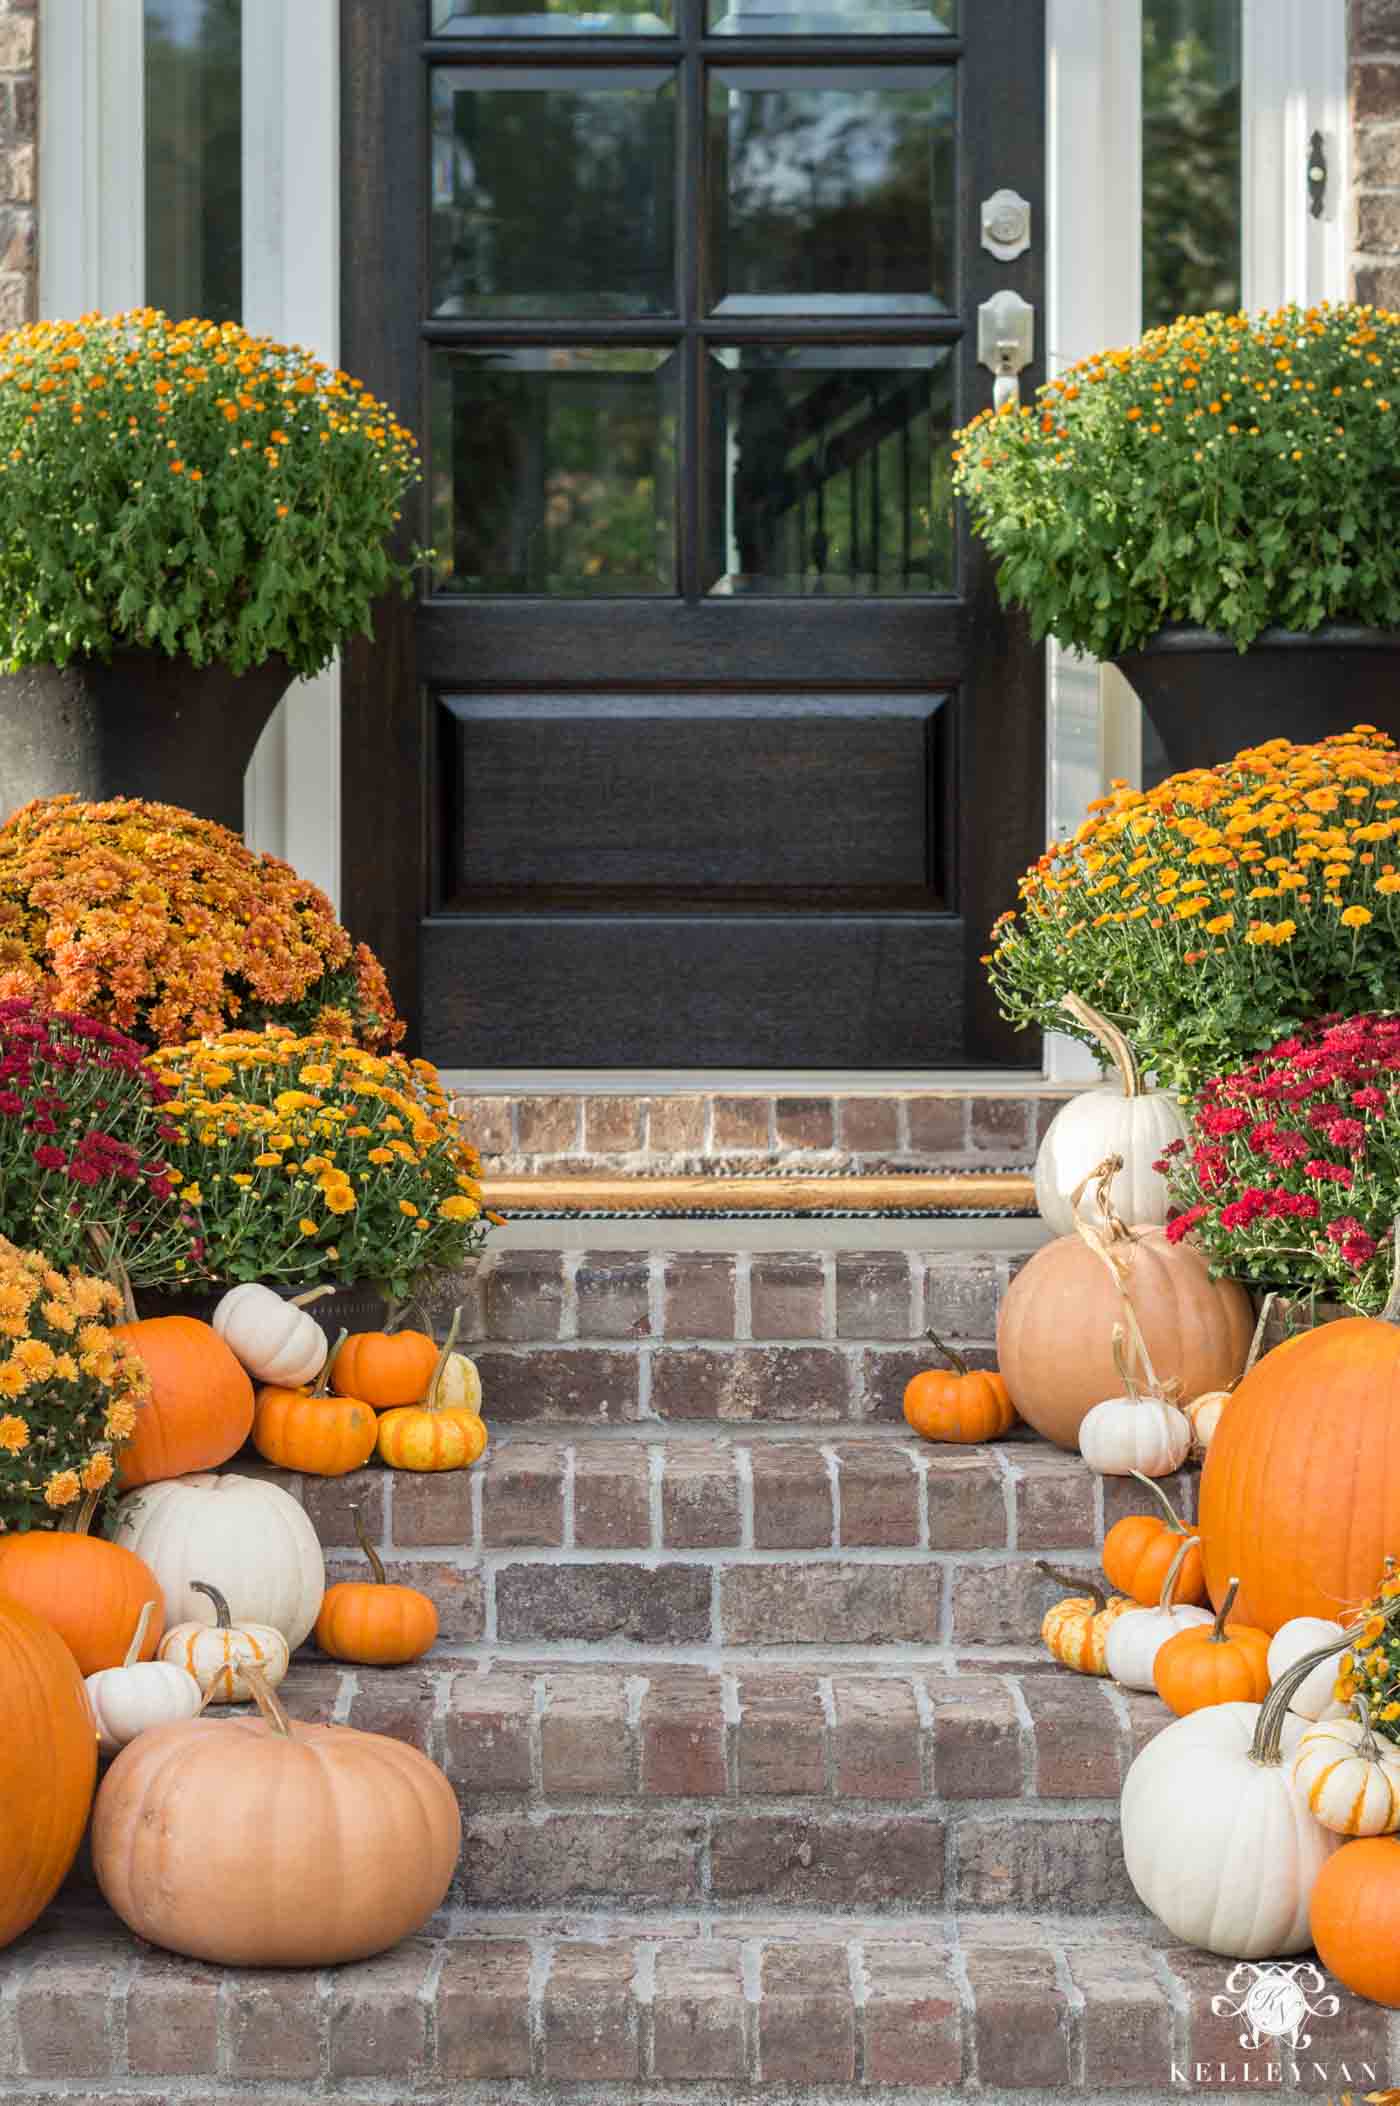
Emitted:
pixel 829 470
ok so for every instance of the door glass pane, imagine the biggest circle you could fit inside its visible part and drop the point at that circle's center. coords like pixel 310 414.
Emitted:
pixel 828 470
pixel 545 18
pixel 832 18
pixel 553 470
pixel 193 56
pixel 1191 206
pixel 553 194
pixel 832 191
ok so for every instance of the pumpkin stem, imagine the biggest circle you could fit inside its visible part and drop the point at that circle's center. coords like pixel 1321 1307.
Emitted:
pixel 138 1636
pixel 430 1402
pixel 1173 1518
pixel 1110 1038
pixel 312 1294
pixel 1367 1746
pixel 1078 1580
pixel 78 1520
pixel 376 1563
pixel 319 1386
pixel 1120 1361
pixel 266 1699
pixel 1256 1344
pixel 393 1311
pixel 105 1246
pixel 954 1360
pixel 1266 1748
pixel 1112 1227
pixel 1167 1598
pixel 1391 1312
pixel 222 1620
pixel 1217 1635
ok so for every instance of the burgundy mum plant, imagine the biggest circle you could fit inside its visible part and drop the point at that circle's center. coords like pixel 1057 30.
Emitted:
pixel 1292 1176
pixel 82 1139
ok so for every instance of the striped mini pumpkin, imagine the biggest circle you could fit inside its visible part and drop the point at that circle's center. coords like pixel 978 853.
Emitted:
pixel 212 1653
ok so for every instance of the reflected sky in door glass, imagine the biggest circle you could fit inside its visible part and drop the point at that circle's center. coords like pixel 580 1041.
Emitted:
pixel 1191 202
pixel 551 18
pixel 829 470
pixel 193 63
pixel 553 470
pixel 831 18
pixel 831 189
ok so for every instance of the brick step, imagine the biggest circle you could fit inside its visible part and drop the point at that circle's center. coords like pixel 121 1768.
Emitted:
pixel 758 1542
pixel 606 1337
pixel 706 2007
pixel 652 1786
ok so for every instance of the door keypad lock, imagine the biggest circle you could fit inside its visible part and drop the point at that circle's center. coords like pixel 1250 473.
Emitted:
pixel 1006 342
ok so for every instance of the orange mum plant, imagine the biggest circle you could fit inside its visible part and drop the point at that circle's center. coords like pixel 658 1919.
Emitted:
pixel 69 1389
pixel 310 1159
pixel 1211 915
pixel 166 925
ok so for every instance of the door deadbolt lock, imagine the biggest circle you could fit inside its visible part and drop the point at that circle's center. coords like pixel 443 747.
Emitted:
pixel 1006 342
pixel 1006 225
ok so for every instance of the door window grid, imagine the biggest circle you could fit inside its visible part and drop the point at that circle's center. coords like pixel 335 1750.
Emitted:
pixel 868 503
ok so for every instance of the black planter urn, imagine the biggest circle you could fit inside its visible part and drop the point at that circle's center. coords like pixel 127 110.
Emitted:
pixel 141 725
pixel 1206 699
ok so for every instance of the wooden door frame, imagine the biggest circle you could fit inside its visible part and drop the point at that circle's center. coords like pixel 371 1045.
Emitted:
pixel 385 681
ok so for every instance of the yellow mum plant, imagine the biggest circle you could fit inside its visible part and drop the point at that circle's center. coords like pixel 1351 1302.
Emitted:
pixel 310 1159
pixel 193 488
pixel 69 1389
pixel 167 925
pixel 1212 914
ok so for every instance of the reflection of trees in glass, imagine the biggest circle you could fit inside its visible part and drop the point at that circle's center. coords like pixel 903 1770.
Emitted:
pixel 194 155
pixel 831 190
pixel 553 201
pixel 561 473
pixel 1190 157
pixel 505 18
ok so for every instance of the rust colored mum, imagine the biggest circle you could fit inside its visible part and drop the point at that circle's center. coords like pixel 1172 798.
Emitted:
pixel 169 927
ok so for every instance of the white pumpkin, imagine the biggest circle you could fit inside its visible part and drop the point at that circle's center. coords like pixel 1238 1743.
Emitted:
pixel 243 1535
pixel 275 1340
pixel 139 1694
pixel 214 1657
pixel 1349 1779
pixel 1123 1435
pixel 1205 1412
pixel 1304 1634
pixel 1119 1118
pixel 1136 1638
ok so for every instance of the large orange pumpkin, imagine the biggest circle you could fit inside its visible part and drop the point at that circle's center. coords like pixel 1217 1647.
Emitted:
pixel 1300 1494
pixel 200 1410
pixel 1055 1328
pixel 48 1765
pixel 91 1592
pixel 1356 1918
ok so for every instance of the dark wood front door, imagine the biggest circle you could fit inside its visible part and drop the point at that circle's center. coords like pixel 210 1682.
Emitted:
pixel 707 743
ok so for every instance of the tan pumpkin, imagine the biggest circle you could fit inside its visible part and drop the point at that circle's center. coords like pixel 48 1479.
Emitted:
pixel 256 1842
pixel 1055 1328
pixel 1076 1629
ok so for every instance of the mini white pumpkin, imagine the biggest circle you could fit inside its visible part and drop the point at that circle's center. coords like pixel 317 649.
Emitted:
pixel 214 1657
pixel 1217 1838
pixel 275 1340
pixel 1119 1118
pixel 1136 1639
pixel 1304 1634
pixel 1134 1434
pixel 1349 1779
pixel 243 1535
pixel 1204 1413
pixel 139 1694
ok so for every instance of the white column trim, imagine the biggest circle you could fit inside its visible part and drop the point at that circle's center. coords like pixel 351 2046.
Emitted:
pixel 92 250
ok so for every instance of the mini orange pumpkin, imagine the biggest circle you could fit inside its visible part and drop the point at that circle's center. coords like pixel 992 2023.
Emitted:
pixel 304 1429
pixel 92 1592
pixel 1138 1551
pixel 1355 1918
pixel 430 1435
pixel 1213 1663
pixel 384 1368
pixel 370 1621
pixel 958 1403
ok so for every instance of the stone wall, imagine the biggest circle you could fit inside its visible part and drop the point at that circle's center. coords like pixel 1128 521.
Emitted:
pixel 19 158
pixel 1374 31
